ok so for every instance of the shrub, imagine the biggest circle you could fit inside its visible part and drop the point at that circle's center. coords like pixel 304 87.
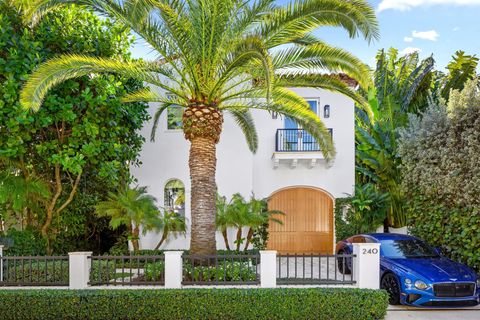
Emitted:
pixel 25 243
pixel 155 271
pixel 225 271
pixel 441 176
pixel 297 303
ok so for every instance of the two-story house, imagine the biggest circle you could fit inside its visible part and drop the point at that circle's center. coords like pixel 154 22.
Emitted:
pixel 288 169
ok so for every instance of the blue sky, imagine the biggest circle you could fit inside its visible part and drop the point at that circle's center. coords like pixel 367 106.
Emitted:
pixel 438 27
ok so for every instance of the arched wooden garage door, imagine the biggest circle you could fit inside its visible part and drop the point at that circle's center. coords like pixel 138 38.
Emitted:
pixel 307 223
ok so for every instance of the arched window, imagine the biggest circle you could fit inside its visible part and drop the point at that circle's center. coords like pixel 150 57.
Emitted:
pixel 175 196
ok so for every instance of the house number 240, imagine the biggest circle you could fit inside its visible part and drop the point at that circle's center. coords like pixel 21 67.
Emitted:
pixel 370 251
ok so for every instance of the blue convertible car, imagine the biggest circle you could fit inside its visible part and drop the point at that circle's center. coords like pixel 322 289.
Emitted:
pixel 413 273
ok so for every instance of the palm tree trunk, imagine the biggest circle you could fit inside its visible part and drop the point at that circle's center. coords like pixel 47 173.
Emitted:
pixel 162 240
pixel 225 238
pixel 249 238
pixel 202 165
pixel 135 244
pixel 239 238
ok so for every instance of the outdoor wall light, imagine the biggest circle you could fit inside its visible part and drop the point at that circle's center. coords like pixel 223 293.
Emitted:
pixel 326 111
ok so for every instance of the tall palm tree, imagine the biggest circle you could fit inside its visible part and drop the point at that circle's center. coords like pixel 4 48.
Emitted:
pixel 217 57
pixel 133 208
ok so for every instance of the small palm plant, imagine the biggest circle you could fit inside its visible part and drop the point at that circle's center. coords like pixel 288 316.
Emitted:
pixel 259 217
pixel 171 222
pixel 223 219
pixel 133 208
pixel 239 214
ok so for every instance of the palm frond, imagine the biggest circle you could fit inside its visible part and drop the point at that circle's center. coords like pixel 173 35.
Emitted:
pixel 244 120
pixel 66 67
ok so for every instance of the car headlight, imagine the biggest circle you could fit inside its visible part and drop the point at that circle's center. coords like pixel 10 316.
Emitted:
pixel 478 282
pixel 420 285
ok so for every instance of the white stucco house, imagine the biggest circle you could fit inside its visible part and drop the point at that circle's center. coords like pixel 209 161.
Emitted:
pixel 287 168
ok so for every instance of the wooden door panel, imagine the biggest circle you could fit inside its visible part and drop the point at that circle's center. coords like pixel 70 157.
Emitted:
pixel 307 223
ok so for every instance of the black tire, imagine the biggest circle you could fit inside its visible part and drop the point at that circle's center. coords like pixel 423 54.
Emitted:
pixel 390 283
pixel 342 263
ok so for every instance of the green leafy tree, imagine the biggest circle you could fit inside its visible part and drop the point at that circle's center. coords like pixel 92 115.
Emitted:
pixel 216 57
pixel 83 129
pixel 133 208
pixel 171 222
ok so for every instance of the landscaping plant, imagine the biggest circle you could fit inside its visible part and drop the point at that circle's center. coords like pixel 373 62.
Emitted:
pixel 441 176
pixel 133 208
pixel 82 130
pixel 219 57
pixel 228 304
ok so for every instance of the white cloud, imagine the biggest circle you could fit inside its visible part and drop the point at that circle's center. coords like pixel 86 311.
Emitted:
pixel 409 50
pixel 404 5
pixel 431 35
pixel 456 29
pixel 408 39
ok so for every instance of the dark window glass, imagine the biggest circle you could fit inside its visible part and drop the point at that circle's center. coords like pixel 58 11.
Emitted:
pixel 407 249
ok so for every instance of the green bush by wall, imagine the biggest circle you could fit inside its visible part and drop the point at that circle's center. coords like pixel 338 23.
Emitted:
pixel 328 304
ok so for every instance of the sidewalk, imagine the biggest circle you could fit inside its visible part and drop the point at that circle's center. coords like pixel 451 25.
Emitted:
pixel 407 313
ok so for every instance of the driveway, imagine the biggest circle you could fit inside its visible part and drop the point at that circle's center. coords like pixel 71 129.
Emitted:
pixel 409 313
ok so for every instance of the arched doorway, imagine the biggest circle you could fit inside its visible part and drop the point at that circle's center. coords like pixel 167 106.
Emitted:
pixel 307 224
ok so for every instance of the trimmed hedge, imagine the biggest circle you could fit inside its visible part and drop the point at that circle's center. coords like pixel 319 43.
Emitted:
pixel 292 303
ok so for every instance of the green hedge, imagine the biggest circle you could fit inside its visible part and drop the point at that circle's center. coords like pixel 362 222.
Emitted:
pixel 329 304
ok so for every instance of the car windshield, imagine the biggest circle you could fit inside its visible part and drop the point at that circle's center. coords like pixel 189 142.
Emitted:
pixel 409 248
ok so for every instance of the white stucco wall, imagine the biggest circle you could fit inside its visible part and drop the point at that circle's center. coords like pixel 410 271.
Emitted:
pixel 238 170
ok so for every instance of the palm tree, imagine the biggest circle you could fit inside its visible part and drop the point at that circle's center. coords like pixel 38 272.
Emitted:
pixel 219 57
pixel 223 219
pixel 171 222
pixel 131 207
pixel 259 216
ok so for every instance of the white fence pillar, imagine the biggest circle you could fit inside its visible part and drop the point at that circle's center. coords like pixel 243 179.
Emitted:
pixel 366 265
pixel 173 269
pixel 79 266
pixel 268 269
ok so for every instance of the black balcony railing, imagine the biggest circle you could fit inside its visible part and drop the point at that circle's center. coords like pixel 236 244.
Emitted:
pixel 295 140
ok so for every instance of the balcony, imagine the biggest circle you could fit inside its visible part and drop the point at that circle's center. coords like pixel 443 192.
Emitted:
pixel 294 145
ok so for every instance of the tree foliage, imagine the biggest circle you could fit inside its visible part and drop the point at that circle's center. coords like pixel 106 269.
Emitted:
pixel 401 86
pixel 440 154
pixel 82 129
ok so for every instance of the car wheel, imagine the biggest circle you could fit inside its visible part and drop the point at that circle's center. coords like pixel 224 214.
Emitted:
pixel 343 264
pixel 390 284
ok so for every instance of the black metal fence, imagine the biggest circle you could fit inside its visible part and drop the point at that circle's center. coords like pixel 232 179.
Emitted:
pixel 34 271
pixel 315 269
pixel 230 269
pixel 127 270
pixel 293 140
